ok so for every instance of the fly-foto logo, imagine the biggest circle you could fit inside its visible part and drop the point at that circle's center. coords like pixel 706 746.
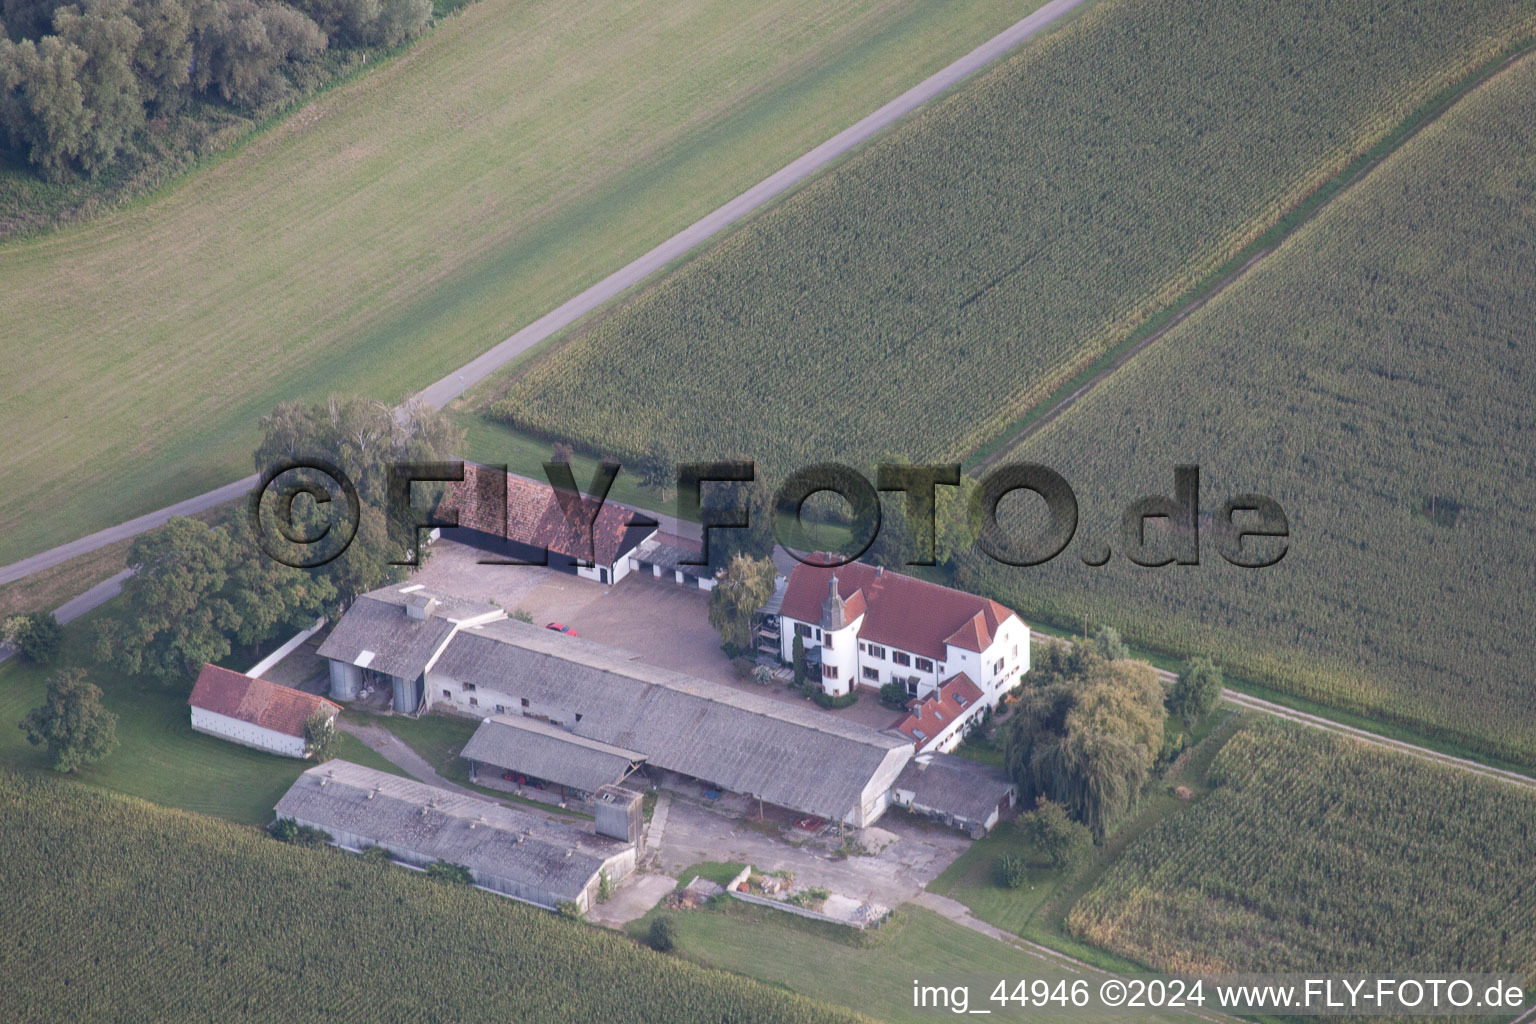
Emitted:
pixel 1248 530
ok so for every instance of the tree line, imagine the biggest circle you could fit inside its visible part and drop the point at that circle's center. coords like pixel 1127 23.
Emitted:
pixel 78 81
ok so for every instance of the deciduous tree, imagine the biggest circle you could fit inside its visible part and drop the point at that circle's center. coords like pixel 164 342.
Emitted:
pixel 1055 834
pixel 109 87
pixel 320 735
pixel 242 49
pixel 42 103
pixel 1196 691
pixel 36 636
pixel 741 590
pixel 364 439
pixel 72 723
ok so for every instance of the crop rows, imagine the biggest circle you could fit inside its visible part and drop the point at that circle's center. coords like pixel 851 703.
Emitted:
pixel 1375 377
pixel 927 293
pixel 120 910
pixel 1318 853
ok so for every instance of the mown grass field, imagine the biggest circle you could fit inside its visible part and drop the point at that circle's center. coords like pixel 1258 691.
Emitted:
pixel 408 220
pixel 1375 377
pixel 872 974
pixel 1317 853
pixel 158 756
pixel 941 282
pixel 118 909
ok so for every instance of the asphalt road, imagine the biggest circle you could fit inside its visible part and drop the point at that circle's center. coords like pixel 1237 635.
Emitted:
pixel 680 244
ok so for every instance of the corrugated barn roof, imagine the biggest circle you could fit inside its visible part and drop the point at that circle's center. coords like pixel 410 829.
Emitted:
pixel 547 751
pixel 442 825
pixel 951 784
pixel 785 754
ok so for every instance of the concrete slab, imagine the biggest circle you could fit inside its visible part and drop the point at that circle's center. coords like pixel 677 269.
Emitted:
pixel 897 874
pixel 634 898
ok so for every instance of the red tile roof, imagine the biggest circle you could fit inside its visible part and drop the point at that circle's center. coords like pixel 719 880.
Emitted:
pixel 535 517
pixel 901 611
pixel 955 699
pixel 234 695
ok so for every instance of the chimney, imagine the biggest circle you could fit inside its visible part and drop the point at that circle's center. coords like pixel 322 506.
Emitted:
pixel 879 572
pixel 834 612
pixel 421 607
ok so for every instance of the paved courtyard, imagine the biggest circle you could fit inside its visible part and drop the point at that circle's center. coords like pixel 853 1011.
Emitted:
pixel 663 623
pixel 895 875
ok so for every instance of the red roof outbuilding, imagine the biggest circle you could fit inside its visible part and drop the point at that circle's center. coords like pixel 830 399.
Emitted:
pixel 535 516
pixel 268 705
pixel 955 699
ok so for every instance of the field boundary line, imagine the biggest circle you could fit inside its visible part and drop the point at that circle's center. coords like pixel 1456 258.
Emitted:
pixel 1306 210
pixel 1243 700
pixel 1247 702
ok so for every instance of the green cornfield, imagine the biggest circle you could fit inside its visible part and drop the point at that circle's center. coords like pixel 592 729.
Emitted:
pixel 927 293
pixel 1375 376
pixel 1319 853
pixel 117 909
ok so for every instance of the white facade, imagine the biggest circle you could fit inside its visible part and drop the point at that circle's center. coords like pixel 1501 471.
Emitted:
pixel 950 736
pixel 233 729
pixel 996 670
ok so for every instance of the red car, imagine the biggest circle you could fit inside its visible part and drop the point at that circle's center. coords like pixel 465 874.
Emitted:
pixel 560 627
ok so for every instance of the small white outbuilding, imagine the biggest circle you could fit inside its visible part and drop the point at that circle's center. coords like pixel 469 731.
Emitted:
pixel 254 712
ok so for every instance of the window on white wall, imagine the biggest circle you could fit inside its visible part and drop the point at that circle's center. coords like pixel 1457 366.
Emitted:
pixel 924 665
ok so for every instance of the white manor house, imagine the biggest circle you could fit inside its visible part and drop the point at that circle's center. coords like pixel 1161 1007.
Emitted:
pixel 864 626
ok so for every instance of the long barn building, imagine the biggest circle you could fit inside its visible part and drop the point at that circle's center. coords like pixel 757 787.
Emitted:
pixel 524 855
pixel 602 706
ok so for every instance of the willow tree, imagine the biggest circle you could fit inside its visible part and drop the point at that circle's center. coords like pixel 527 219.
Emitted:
pixel 743 588
pixel 1087 738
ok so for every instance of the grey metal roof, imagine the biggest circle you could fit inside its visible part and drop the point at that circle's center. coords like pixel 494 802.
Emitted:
pixel 670 557
pixel 443 825
pixel 784 753
pixel 378 633
pixel 780 586
pixel 954 785
pixel 537 748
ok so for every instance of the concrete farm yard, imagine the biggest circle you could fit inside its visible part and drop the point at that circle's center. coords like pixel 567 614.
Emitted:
pixel 406 221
